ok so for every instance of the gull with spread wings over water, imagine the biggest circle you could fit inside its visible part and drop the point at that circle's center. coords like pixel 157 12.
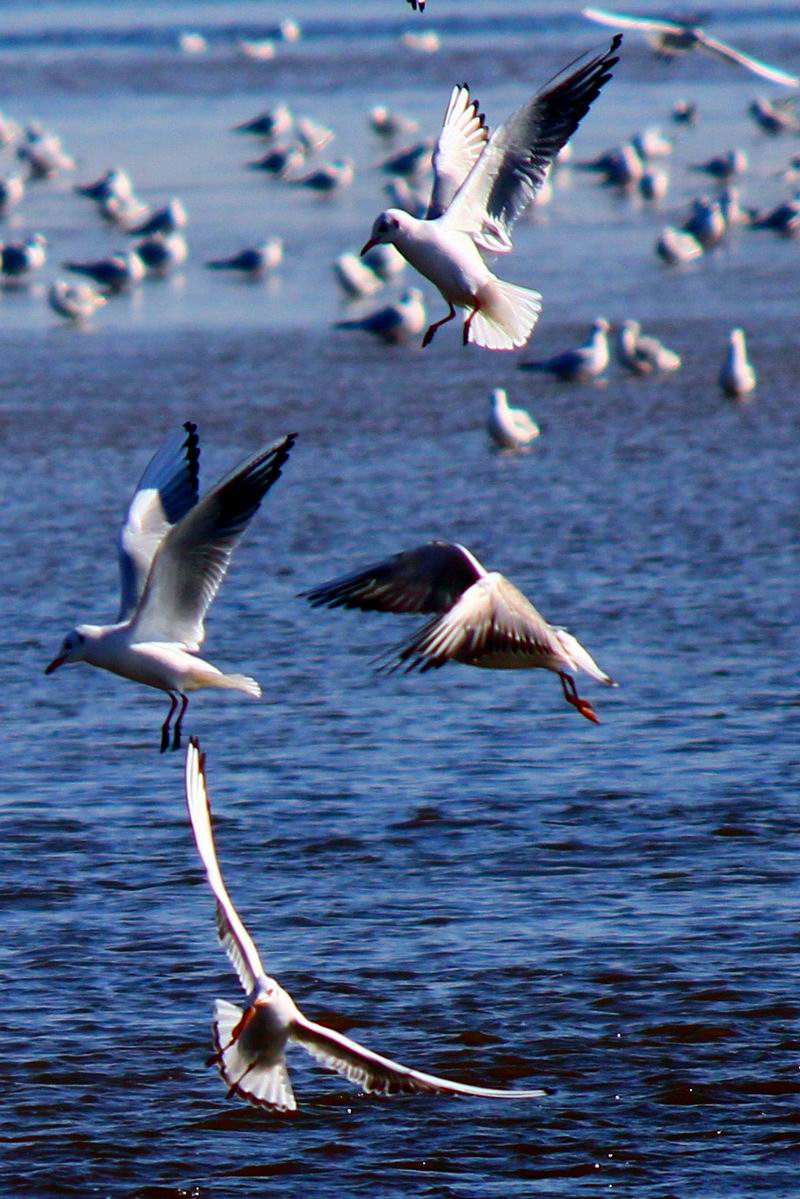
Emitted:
pixel 174 551
pixel 250 1045
pixel 481 186
pixel 481 618
pixel 671 37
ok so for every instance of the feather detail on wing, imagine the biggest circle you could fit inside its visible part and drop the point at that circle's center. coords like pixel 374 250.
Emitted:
pixel 428 578
pixel 192 559
pixel 165 493
pixel 380 1075
pixel 493 619
pixel 458 148
pixel 232 932
pixel 520 152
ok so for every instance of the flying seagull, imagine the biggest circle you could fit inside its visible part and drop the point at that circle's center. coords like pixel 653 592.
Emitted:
pixel 671 37
pixel 481 186
pixel 481 618
pixel 174 551
pixel 250 1045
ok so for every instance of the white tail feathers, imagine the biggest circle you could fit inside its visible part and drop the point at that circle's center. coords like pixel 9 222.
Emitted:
pixel 264 1083
pixel 580 658
pixel 506 316
pixel 240 682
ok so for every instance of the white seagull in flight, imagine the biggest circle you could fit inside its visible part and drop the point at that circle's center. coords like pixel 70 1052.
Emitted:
pixel 174 551
pixel 481 186
pixel 250 1045
pixel 481 618
pixel 674 37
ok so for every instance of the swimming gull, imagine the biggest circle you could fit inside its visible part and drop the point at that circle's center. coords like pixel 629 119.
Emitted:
pixel 255 261
pixel 509 428
pixel 737 377
pixel 74 301
pixel 394 323
pixel 642 355
pixel 587 361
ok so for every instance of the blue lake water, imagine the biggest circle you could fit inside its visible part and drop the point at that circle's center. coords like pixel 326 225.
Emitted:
pixel 455 867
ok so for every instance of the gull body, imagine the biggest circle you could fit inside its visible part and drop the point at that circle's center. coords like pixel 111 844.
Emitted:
pixel 10 130
pixel 356 277
pixel 329 177
pixel 313 136
pixel 773 118
pixel 258 50
pixel 169 219
pixel 20 259
pixel 115 182
pixel 481 618
pixel 281 161
pixel 677 246
pixel 737 377
pixel 74 301
pixel 12 189
pixel 706 222
pixel 481 187
pixel 254 262
pixel 723 166
pixel 174 551
pixel 389 124
pixel 586 362
pixel 395 323
pixel 672 37
pixel 250 1045
pixel 116 273
pixel 273 122
pixel 162 252
pixel 643 355
pixel 509 428
pixel 784 219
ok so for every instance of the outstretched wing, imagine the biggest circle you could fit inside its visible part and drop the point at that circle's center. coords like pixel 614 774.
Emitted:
pixel 380 1075
pixel 618 20
pixel 429 578
pixel 492 619
pixel 165 493
pixel 458 148
pixel 520 152
pixel 722 50
pixel 234 936
pixel 193 557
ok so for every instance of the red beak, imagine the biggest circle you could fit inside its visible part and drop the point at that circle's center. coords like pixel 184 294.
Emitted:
pixel 373 241
pixel 54 665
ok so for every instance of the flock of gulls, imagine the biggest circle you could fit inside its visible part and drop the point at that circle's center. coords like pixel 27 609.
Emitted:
pixel 174 547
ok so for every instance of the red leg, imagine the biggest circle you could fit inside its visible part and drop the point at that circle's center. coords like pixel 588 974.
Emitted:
pixel 176 734
pixel 467 324
pixel 173 703
pixel 577 701
pixel 237 1032
pixel 428 338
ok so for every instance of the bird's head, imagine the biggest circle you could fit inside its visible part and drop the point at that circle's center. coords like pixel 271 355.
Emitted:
pixel 385 229
pixel 73 649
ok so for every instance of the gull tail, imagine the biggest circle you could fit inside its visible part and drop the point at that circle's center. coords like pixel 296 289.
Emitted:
pixel 265 1084
pixel 506 316
pixel 581 659
pixel 233 682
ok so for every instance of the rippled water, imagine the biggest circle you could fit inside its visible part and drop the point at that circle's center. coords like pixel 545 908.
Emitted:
pixel 456 867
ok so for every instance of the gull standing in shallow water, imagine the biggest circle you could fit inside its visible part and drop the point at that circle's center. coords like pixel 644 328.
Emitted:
pixel 250 1045
pixel 481 186
pixel 482 618
pixel 509 428
pixel 174 551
